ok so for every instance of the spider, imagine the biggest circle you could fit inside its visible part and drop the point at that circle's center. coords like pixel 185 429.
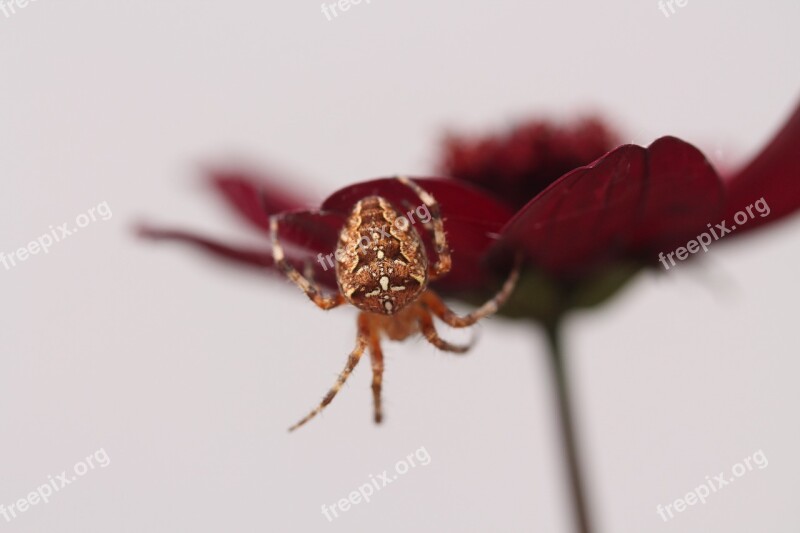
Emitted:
pixel 385 274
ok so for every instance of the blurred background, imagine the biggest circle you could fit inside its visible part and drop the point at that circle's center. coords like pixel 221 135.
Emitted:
pixel 187 372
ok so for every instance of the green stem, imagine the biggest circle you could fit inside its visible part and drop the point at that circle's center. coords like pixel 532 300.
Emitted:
pixel 567 423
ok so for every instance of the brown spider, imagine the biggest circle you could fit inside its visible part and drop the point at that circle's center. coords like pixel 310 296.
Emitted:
pixel 387 279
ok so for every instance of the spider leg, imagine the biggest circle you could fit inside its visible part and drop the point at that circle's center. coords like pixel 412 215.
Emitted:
pixel 308 287
pixel 376 355
pixel 364 332
pixel 440 309
pixel 443 260
pixel 429 331
pixel 308 271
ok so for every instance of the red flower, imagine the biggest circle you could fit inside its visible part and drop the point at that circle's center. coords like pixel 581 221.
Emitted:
pixel 587 218
pixel 518 165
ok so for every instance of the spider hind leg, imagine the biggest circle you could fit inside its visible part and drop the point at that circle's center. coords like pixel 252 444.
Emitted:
pixel 433 302
pixel 376 356
pixel 428 330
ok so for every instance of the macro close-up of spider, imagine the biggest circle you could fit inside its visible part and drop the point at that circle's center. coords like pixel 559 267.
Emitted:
pixel 550 250
pixel 382 268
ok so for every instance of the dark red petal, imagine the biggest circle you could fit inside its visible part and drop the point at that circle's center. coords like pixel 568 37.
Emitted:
pixel 773 175
pixel 315 231
pixel 255 198
pixel 631 202
pixel 472 220
pixel 304 234
pixel 249 256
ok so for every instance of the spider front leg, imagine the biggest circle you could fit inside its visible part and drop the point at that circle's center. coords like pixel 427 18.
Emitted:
pixel 440 309
pixel 308 287
pixel 443 259
pixel 362 339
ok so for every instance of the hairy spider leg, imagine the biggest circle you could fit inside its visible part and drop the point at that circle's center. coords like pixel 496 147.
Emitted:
pixel 429 332
pixel 376 356
pixel 440 309
pixel 443 259
pixel 362 339
pixel 309 288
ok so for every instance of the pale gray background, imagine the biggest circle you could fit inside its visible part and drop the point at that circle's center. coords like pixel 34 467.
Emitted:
pixel 188 372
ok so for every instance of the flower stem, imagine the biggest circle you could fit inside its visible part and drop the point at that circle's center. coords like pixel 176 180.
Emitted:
pixel 569 441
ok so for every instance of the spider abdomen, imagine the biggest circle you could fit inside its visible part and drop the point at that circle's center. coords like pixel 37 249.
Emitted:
pixel 381 264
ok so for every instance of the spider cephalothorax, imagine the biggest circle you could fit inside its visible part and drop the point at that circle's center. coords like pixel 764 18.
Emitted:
pixel 382 269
